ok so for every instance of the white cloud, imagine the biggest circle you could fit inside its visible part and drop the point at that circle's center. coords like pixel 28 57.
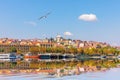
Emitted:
pixel 68 34
pixel 88 17
pixel 32 23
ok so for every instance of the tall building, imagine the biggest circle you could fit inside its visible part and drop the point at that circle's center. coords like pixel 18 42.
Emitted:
pixel 58 38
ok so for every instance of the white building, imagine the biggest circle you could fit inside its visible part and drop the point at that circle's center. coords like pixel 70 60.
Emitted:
pixel 58 38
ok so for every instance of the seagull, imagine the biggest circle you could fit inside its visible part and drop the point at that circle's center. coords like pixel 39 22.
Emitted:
pixel 44 16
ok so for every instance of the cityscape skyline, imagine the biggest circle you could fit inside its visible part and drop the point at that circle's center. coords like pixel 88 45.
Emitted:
pixel 84 20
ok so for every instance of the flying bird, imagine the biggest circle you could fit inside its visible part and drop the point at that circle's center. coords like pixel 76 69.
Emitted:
pixel 44 16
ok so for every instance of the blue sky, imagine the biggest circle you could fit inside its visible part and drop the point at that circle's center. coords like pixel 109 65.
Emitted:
pixel 19 19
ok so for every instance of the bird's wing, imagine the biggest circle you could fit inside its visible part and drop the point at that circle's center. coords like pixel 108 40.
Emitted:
pixel 44 16
pixel 41 17
pixel 47 14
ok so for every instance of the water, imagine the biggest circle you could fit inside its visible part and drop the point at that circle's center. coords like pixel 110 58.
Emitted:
pixel 67 69
pixel 112 74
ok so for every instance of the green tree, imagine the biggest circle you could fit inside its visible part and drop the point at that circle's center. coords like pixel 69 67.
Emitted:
pixel 59 50
pixel 48 50
pixel 73 50
pixel 1 50
pixel 13 49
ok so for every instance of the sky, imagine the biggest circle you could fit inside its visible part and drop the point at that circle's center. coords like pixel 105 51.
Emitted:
pixel 90 20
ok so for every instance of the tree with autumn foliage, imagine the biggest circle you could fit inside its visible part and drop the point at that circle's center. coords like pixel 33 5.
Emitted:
pixel 34 50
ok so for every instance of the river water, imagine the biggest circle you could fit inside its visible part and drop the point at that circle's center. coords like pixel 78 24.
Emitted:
pixel 112 74
pixel 60 70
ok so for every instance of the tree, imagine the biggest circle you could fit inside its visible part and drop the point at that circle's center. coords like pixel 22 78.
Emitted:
pixel 1 50
pixel 34 49
pixel 42 49
pixel 13 49
pixel 48 50
pixel 73 50
pixel 80 50
pixel 100 51
pixel 59 50
pixel 19 52
pixel 109 50
pixel 86 51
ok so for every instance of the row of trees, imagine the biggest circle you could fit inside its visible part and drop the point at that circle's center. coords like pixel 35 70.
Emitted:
pixel 72 50
pixel 12 49
pixel 53 50
pixel 100 51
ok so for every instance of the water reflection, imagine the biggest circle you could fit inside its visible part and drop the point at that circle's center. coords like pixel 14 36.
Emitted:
pixel 55 67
